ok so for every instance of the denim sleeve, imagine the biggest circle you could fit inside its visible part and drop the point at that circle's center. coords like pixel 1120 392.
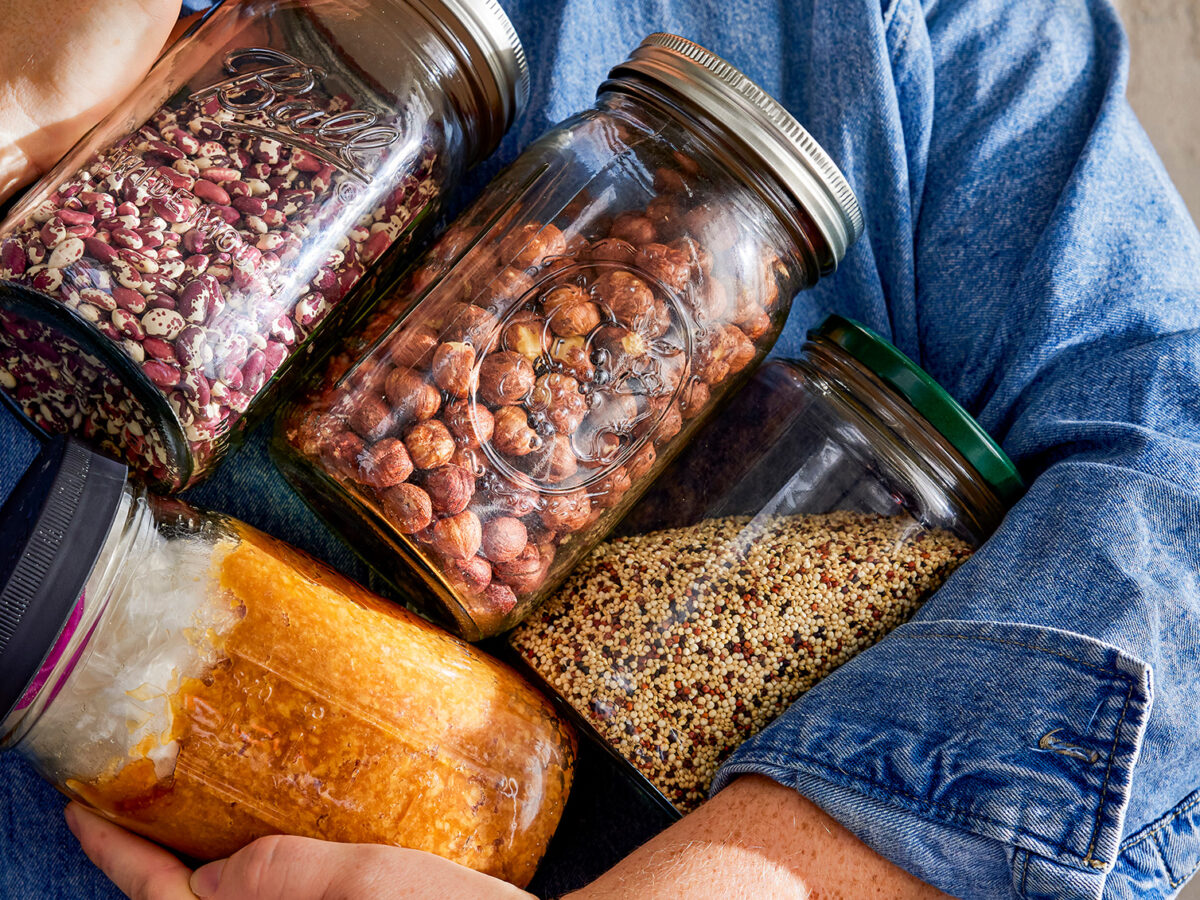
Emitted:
pixel 1033 731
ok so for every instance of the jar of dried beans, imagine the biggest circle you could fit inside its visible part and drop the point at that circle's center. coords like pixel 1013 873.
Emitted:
pixel 198 682
pixel 811 517
pixel 568 334
pixel 157 286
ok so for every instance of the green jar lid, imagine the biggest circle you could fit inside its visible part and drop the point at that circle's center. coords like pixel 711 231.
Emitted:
pixel 929 399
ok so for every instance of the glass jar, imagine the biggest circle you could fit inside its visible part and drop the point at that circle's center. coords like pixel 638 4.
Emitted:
pixel 567 336
pixel 157 286
pixel 811 517
pixel 205 685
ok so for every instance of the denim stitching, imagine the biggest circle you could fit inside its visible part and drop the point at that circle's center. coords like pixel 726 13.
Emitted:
pixel 1186 876
pixel 925 801
pixel 1024 874
pixel 978 637
pixel 1166 864
pixel 1112 753
pixel 1135 839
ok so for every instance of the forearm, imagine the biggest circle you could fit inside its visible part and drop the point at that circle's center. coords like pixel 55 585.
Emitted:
pixel 755 839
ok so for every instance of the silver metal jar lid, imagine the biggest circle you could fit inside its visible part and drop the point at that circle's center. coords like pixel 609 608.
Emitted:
pixel 489 41
pixel 760 125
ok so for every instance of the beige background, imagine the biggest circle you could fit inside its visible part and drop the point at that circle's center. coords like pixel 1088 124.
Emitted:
pixel 1164 88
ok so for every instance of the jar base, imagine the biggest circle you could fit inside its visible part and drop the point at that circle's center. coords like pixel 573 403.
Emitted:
pixel 68 378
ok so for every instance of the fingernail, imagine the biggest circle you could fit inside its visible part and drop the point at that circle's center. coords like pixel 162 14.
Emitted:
pixel 72 821
pixel 207 878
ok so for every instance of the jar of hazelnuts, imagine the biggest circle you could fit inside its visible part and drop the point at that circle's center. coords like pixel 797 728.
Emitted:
pixel 523 385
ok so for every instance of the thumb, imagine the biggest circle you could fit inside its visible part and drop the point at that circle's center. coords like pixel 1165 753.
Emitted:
pixel 283 867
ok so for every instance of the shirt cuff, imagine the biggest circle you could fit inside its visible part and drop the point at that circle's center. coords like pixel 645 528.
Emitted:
pixel 988 759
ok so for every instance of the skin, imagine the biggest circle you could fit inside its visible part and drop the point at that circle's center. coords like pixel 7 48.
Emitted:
pixel 756 839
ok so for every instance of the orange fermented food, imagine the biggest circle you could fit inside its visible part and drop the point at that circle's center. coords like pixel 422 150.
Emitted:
pixel 334 714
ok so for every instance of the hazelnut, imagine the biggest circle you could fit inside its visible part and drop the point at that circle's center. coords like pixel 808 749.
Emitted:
pixel 571 354
pixel 470 424
pixel 371 418
pixel 527 583
pixel 695 397
pixel 408 508
pixel 453 363
pixel 471 576
pixel 669 181
pixel 512 435
pixel 666 216
pixel 566 512
pixel 710 358
pixel 612 250
pixel 756 324
pixel 671 267
pixel 340 453
pixel 457 536
pixel 429 444
pixel 622 346
pixel 581 318
pixel 558 397
pixel 555 461
pixel 413 347
pixel 504 537
pixel 505 378
pixel 526 561
pixel 468 458
pixel 707 223
pixel 597 448
pixel 470 324
pixel 509 285
pixel 498 600
pixel 628 297
pixel 669 425
pixel 562 296
pixel 741 349
pixel 529 245
pixel 526 335
pixel 450 489
pixel 385 465
pixel 455 241
pixel 609 490
pixel 412 397
pixel 641 462
pixel 632 227
pixel 687 165
pixel 700 260
pixel 711 301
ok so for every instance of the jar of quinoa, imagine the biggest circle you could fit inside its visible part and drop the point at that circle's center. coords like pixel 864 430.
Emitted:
pixel 200 683
pixel 810 518
pixel 568 335
pixel 208 237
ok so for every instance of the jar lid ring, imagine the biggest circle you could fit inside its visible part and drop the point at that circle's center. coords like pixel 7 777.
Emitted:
pixel 761 125
pixel 883 359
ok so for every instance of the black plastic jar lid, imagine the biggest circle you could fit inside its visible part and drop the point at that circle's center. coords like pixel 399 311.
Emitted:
pixel 929 399
pixel 52 527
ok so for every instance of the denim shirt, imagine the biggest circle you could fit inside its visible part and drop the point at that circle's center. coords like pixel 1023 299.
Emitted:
pixel 1034 731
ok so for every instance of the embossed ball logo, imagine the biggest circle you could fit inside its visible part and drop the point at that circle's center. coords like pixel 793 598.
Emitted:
pixel 609 347
pixel 270 101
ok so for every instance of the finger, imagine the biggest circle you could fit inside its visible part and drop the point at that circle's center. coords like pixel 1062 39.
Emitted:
pixel 142 870
pixel 294 868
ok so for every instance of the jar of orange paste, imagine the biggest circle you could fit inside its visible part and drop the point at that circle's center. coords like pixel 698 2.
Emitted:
pixel 203 684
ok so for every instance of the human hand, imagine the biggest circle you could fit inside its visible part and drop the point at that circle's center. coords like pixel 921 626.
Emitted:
pixel 280 868
pixel 70 62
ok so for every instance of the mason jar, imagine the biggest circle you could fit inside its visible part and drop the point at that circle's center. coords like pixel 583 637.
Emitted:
pixel 196 681
pixel 567 335
pixel 812 516
pixel 206 239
